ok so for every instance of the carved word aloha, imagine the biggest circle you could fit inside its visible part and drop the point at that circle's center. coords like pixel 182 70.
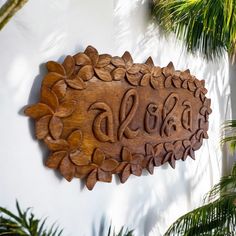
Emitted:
pixel 101 115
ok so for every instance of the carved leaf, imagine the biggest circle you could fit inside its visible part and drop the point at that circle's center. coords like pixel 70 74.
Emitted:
pixel 65 109
pixel 53 66
pixel 126 154
pixel 76 83
pixel 136 170
pixel 104 176
pixel 82 171
pixel 118 62
pixel 103 74
pixel 67 168
pixel 125 174
pixel 51 78
pixel 86 72
pixel 104 60
pixel 69 65
pixel 49 97
pixel 150 166
pixel 55 127
pixel 149 62
pixel 92 53
pixel 82 59
pixel 41 127
pixel 38 110
pixel 132 79
pixel 55 159
pixel 59 88
pixel 75 139
pixel 127 59
pixel 56 145
pixel 109 165
pixel 92 179
pixel 145 80
pixel 98 157
pixel 78 158
pixel 118 73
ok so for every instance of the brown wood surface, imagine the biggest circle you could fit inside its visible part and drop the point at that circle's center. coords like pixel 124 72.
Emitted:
pixel 101 115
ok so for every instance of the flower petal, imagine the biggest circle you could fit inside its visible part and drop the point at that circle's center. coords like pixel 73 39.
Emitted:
pixel 109 165
pixel 134 69
pixel 92 53
pixel 41 127
pixel 104 60
pixel 150 166
pixel 78 158
pixel 172 161
pixel 75 139
pixel 92 179
pixel 76 83
pixel 158 149
pixel 136 169
pixel 149 62
pixel 156 71
pixel 104 176
pixel 55 127
pixel 59 88
pixel 86 72
pixel 132 79
pixel 125 174
pixel 145 80
pixel 65 109
pixel 154 82
pixel 127 59
pixel 82 171
pixel 82 59
pixel 167 157
pixel 56 145
pixel 118 73
pixel 149 149
pixel 186 143
pixel 55 159
pixel 53 66
pixel 37 110
pixel 169 147
pixel 168 82
pixel 176 82
pixel 185 84
pixel 51 78
pixel 49 97
pixel 98 157
pixel 120 167
pixel 67 168
pixel 69 65
pixel 191 86
pixel 126 154
pixel 118 62
pixel 191 154
pixel 158 161
pixel 103 74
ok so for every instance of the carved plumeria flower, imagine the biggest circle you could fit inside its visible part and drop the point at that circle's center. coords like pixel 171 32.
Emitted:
pixel 152 74
pixel 188 80
pixel 66 154
pixel 174 152
pixel 153 154
pixel 202 132
pixel 206 110
pixel 131 164
pixel 61 76
pixel 100 169
pixel 201 90
pixel 91 62
pixel 48 114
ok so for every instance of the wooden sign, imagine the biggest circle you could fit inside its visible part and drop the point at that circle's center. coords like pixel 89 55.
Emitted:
pixel 101 115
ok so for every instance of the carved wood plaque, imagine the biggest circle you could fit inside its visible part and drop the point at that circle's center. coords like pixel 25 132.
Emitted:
pixel 101 115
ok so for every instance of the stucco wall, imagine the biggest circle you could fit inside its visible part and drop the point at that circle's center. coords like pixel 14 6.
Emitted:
pixel 48 30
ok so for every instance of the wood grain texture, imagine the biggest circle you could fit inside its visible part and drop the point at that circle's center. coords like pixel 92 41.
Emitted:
pixel 101 115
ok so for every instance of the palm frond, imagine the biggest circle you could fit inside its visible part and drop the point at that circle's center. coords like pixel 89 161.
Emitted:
pixel 205 26
pixel 24 223
pixel 122 232
pixel 229 131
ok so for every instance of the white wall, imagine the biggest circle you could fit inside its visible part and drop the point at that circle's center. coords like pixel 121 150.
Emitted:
pixel 49 29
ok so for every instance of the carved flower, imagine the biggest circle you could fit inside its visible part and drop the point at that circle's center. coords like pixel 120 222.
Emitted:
pixel 202 132
pixel 201 90
pixel 188 80
pixel 126 68
pixel 100 169
pixel 91 62
pixel 131 164
pixel 48 114
pixel 153 154
pixel 174 152
pixel 152 74
pixel 66 154
pixel 206 110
